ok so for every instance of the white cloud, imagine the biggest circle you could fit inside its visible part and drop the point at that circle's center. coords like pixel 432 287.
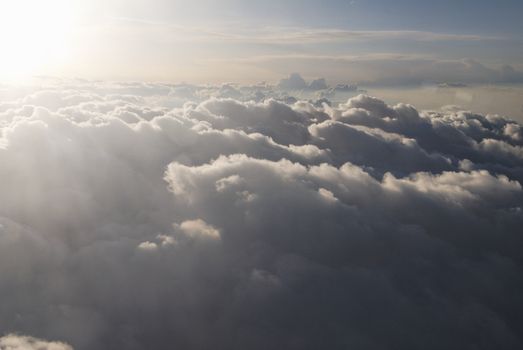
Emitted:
pixel 148 246
pixel 198 229
pixel 17 342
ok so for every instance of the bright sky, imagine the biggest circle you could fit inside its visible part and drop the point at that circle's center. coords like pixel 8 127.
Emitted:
pixel 384 41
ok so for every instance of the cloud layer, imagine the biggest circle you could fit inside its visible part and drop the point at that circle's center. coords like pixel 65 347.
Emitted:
pixel 387 69
pixel 132 220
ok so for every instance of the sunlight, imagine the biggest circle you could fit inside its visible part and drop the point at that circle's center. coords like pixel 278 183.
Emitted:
pixel 33 35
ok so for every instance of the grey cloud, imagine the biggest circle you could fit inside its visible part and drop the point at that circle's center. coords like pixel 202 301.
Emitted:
pixel 131 221
pixel 377 149
pixel 388 70
pixel 296 82
pixel 293 82
pixel 318 84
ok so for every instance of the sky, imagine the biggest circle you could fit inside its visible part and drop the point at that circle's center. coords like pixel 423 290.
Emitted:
pixel 364 41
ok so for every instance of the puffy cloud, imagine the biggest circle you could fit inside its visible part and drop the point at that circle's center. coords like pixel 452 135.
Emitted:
pixel 198 229
pixel 318 84
pixel 16 342
pixel 293 82
pixel 129 220
pixel 148 246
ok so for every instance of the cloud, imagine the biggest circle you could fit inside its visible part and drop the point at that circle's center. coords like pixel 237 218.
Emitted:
pixel 16 342
pixel 386 69
pixel 296 82
pixel 293 82
pixel 318 84
pixel 198 229
pixel 281 35
pixel 285 35
pixel 143 216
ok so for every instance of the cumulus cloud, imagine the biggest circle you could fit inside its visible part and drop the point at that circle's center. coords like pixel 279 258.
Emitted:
pixel 293 82
pixel 16 342
pixel 296 82
pixel 130 220
pixel 318 84
pixel 198 229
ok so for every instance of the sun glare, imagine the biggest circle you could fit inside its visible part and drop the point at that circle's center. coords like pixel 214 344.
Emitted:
pixel 33 36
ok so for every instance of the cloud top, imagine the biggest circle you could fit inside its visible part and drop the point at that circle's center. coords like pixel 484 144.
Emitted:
pixel 16 342
pixel 155 216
